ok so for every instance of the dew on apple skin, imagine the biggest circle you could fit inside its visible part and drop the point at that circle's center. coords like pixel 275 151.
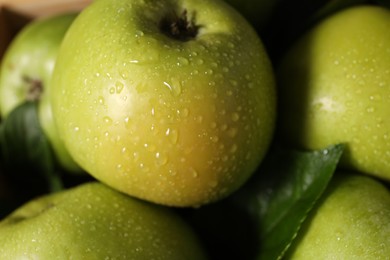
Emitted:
pixel 182 61
pixel 101 100
pixel 200 61
pixel 235 117
pixel 107 120
pixel 232 132
pixel 119 87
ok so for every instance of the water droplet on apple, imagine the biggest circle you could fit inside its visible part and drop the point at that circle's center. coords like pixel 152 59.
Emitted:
pixel 235 117
pixel 200 61
pixel 234 148
pixel 195 72
pixel 119 87
pixel 107 120
pixel 172 134
pixel 139 33
pixel 161 159
pixel 194 172
pixel 233 82
pixel 199 119
pixel 112 90
pixel 209 72
pixel 124 74
pixel 232 132
pixel 213 184
pixel 182 61
pixel 101 100
pixel 214 139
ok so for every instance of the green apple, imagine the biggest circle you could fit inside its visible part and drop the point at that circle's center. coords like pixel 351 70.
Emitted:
pixel 257 12
pixel 351 221
pixel 26 70
pixel 93 221
pixel 169 101
pixel 334 88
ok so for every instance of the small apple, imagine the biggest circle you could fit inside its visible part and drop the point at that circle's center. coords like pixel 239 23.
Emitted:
pixel 26 70
pixel 334 88
pixel 168 101
pixel 93 221
pixel 351 221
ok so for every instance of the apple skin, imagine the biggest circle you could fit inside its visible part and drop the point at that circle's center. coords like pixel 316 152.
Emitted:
pixel 334 88
pixel 180 123
pixel 31 57
pixel 93 221
pixel 351 221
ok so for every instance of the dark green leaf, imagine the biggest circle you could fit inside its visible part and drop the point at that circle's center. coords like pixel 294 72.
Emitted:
pixel 261 219
pixel 284 191
pixel 26 152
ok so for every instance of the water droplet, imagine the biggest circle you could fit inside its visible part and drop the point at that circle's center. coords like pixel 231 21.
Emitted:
pixel 107 120
pixel 76 129
pixel 235 117
pixel 124 74
pixel 209 72
pixel 161 159
pixel 194 172
pixel 112 90
pixel 182 61
pixel 214 139
pixel 172 134
pixel 200 61
pixel 199 119
pixel 232 132
pixel 119 87
pixel 101 100
pixel 139 33
pixel 234 148
pixel 195 72
pixel 174 87
pixel 233 82
pixel 213 184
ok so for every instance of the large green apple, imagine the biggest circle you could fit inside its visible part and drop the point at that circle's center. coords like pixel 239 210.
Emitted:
pixel 335 88
pixel 351 221
pixel 93 221
pixel 169 101
pixel 26 70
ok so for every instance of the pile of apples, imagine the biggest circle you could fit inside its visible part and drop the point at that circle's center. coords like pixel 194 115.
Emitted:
pixel 198 129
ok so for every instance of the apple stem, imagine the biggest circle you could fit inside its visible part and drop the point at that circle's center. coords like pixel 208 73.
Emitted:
pixel 34 89
pixel 179 27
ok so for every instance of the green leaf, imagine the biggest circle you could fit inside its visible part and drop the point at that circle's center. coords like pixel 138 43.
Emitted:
pixel 26 152
pixel 284 191
pixel 261 220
